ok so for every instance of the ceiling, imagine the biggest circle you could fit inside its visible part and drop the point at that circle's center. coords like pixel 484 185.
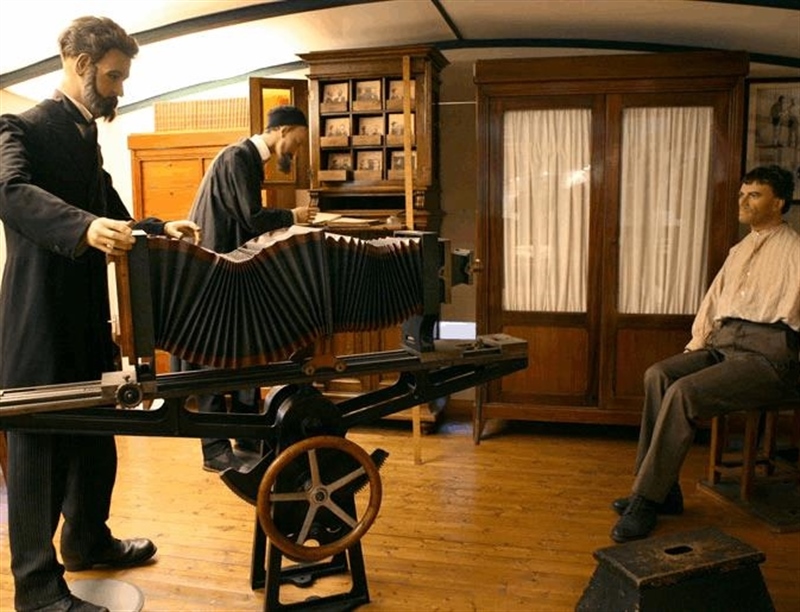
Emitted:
pixel 194 45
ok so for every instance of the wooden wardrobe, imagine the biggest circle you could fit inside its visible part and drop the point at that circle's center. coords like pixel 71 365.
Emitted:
pixel 586 364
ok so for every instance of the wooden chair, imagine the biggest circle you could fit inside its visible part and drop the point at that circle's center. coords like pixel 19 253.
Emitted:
pixel 744 464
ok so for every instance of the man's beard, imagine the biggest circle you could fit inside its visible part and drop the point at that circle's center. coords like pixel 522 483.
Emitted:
pixel 98 105
pixel 285 163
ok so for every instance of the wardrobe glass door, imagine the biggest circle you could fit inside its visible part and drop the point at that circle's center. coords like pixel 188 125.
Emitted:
pixel 546 188
pixel 664 209
pixel 543 282
pixel 658 232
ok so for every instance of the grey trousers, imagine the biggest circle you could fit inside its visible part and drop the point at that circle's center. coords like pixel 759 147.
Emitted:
pixel 243 401
pixel 745 365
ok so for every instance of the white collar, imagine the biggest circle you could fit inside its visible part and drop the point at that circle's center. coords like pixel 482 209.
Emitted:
pixel 262 147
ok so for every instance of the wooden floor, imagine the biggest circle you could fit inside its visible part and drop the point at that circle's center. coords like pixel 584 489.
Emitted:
pixel 510 524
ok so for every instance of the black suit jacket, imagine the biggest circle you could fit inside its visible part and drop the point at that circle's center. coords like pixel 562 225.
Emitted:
pixel 228 205
pixel 54 295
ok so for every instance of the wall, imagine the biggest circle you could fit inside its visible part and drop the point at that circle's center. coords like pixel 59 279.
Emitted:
pixel 458 171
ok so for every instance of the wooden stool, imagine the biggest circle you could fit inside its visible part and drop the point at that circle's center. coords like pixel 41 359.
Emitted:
pixel 696 571
pixel 752 454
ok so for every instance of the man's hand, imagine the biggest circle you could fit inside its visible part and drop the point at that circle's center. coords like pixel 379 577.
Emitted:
pixel 183 228
pixel 305 214
pixel 110 235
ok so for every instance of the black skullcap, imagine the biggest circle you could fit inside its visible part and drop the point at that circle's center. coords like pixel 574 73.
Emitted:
pixel 286 115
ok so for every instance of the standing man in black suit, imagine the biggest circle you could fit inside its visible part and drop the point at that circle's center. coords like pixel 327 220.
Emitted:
pixel 62 217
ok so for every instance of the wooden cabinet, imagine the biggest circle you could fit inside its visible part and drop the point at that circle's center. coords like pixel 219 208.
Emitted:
pixel 166 170
pixel 373 125
pixel 598 177
pixel 167 167
pixel 374 133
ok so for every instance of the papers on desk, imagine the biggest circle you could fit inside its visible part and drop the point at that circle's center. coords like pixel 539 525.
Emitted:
pixel 337 220
pixel 323 218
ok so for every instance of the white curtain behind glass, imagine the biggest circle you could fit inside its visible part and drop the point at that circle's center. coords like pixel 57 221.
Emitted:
pixel 664 209
pixel 546 209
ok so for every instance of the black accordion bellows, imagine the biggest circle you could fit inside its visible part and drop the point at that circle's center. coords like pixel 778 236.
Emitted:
pixel 278 293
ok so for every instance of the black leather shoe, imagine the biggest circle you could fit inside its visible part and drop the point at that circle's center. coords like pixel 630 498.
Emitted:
pixel 224 461
pixel 120 553
pixel 637 522
pixel 672 504
pixel 70 603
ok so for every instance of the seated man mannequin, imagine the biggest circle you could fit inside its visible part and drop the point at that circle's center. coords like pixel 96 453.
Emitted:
pixel 743 351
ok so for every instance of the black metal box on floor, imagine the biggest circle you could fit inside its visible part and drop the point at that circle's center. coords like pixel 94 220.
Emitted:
pixel 697 571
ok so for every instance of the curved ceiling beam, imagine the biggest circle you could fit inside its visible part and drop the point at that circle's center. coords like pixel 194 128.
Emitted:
pixel 447 19
pixel 47 66
pixel 193 25
pixel 288 7
pixel 609 45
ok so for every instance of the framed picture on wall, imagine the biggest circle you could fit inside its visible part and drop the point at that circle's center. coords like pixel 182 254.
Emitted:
pixel 773 126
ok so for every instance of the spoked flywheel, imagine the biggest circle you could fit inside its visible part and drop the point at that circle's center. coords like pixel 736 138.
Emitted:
pixel 307 497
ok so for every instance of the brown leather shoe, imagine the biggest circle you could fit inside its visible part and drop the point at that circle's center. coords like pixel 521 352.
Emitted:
pixel 70 603
pixel 119 553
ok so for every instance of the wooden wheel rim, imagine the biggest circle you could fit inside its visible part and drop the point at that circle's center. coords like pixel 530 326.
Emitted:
pixel 267 498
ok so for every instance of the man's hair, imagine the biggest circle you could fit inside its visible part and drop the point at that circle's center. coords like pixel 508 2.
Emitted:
pixel 780 179
pixel 285 115
pixel 96 36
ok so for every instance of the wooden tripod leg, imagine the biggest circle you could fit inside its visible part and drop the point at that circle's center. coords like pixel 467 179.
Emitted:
pixel 416 428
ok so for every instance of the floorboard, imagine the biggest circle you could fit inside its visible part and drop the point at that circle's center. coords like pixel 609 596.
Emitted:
pixel 509 524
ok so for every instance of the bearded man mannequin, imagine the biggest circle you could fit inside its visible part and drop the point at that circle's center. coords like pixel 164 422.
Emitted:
pixel 62 217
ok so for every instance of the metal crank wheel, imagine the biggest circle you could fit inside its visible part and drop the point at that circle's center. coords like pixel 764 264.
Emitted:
pixel 306 500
